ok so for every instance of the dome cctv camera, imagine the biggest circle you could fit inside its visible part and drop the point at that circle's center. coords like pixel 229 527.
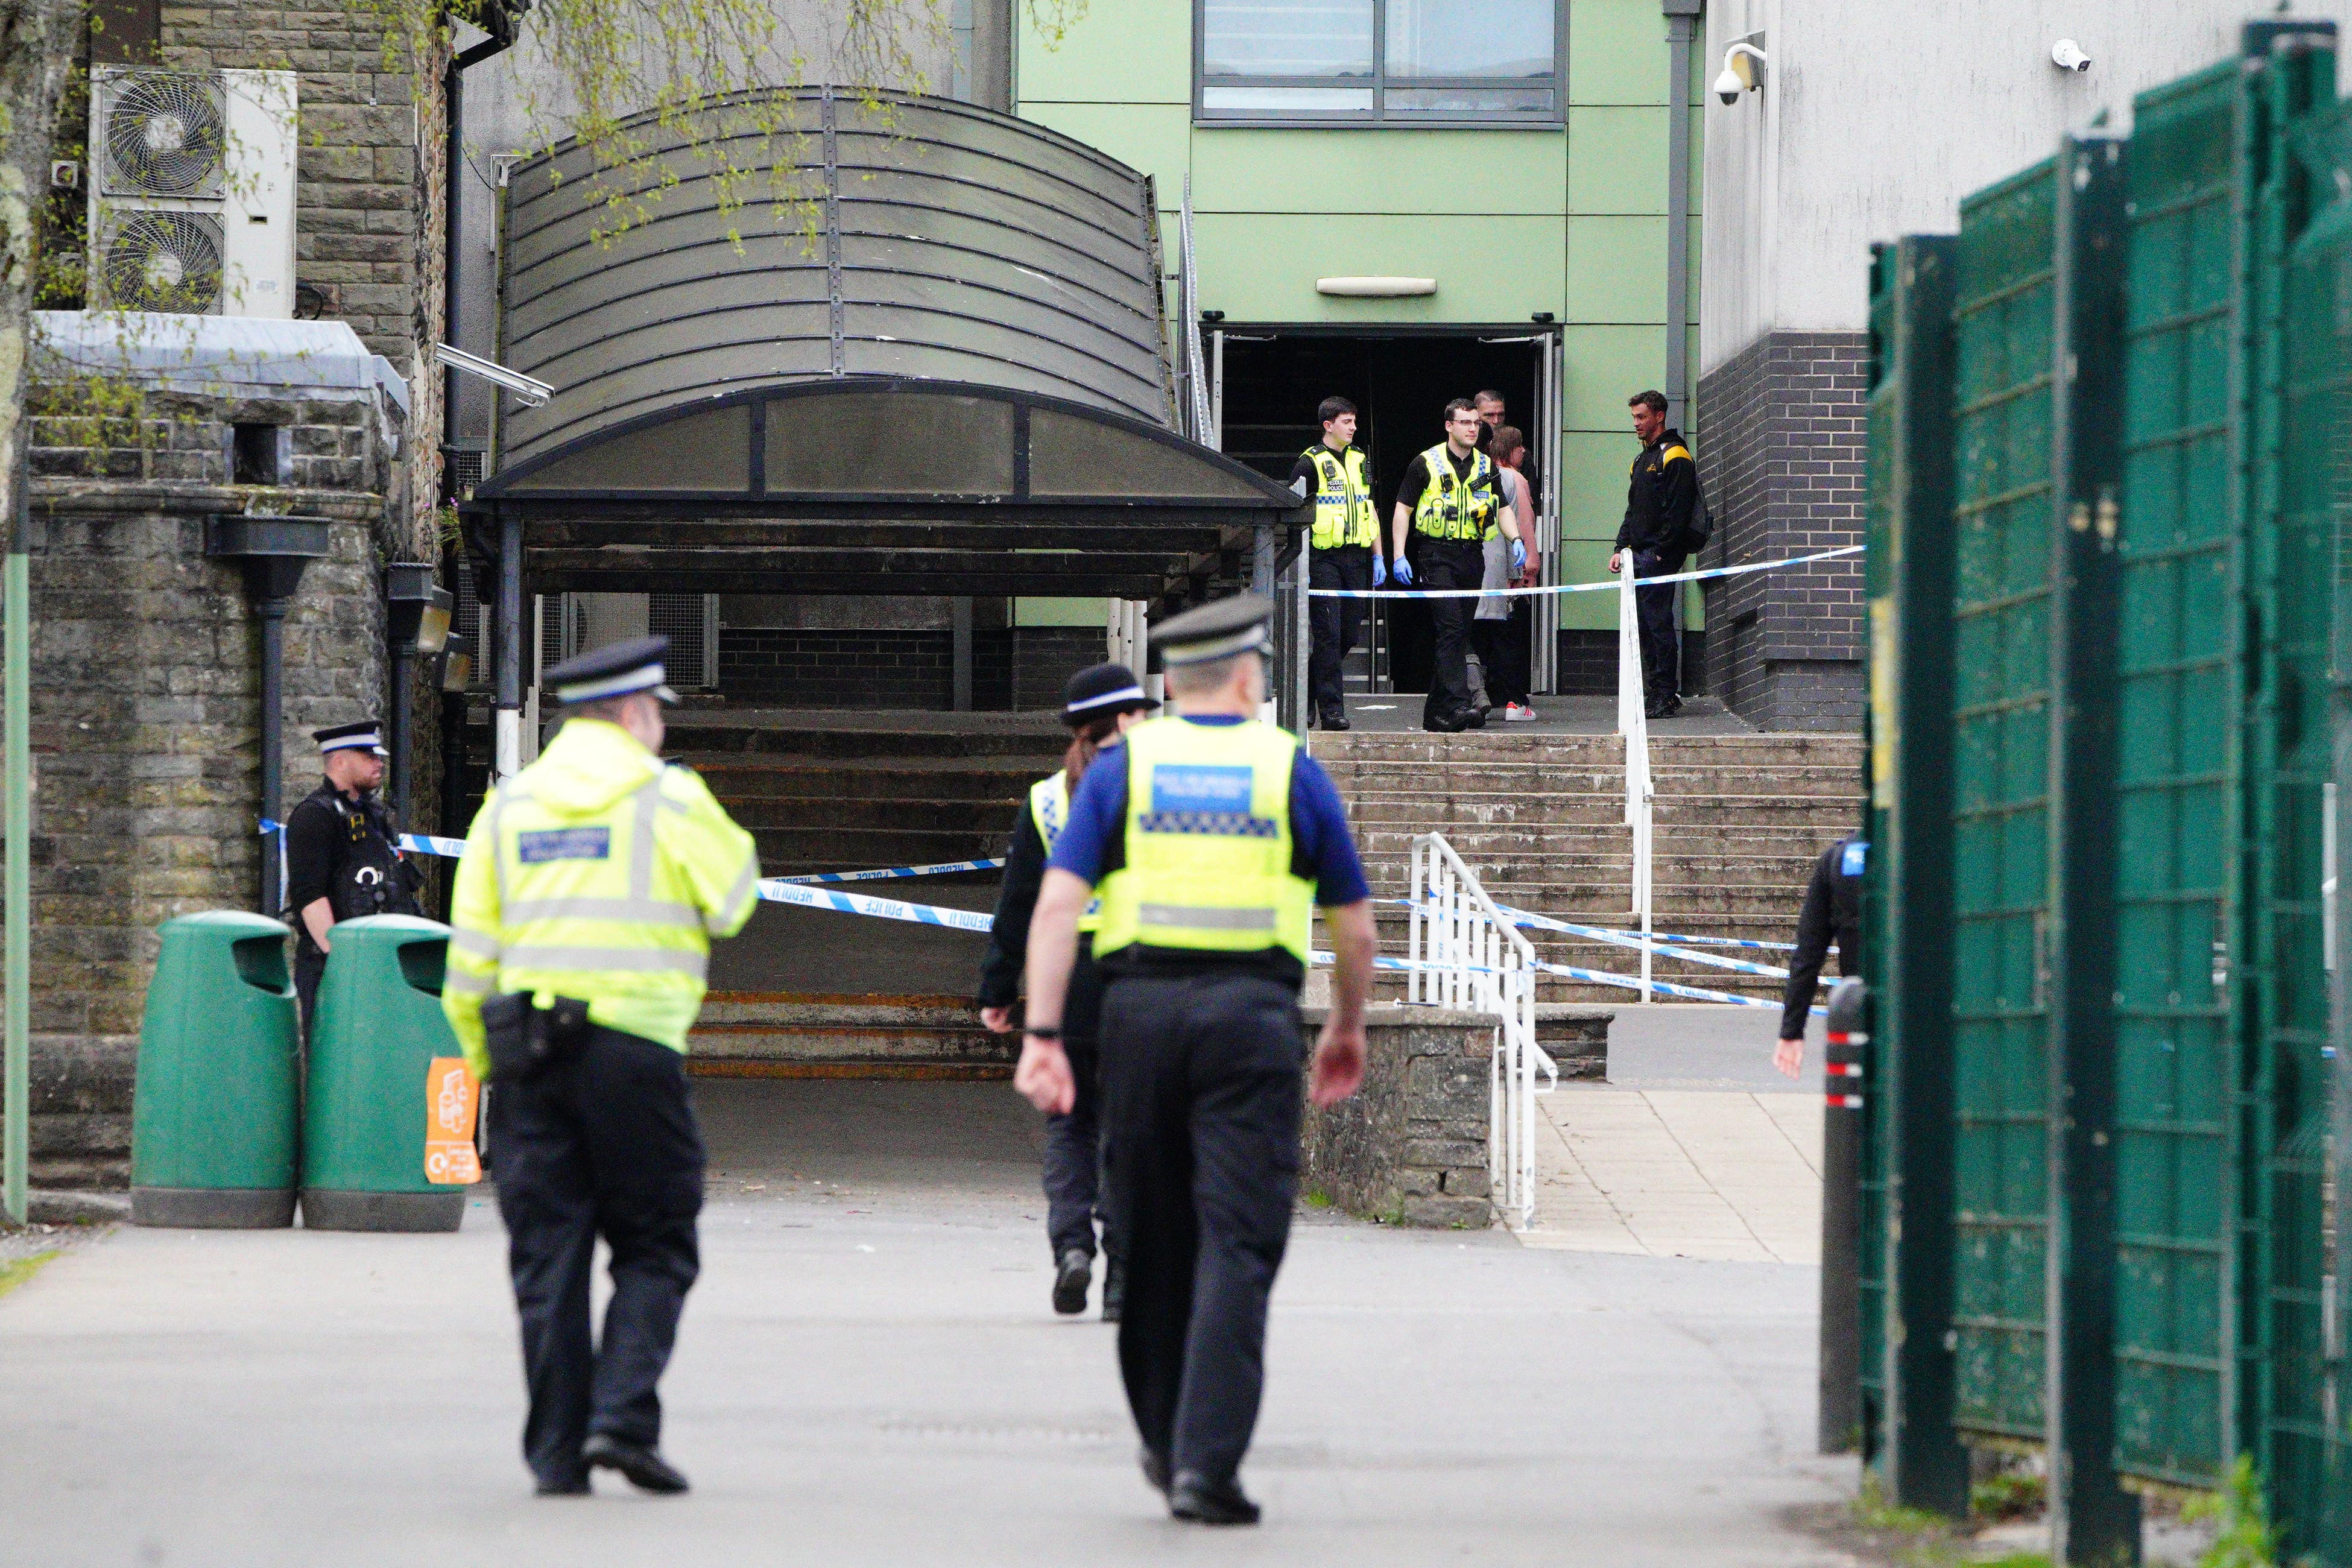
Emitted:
pixel 1743 71
pixel 2068 56
pixel 1729 87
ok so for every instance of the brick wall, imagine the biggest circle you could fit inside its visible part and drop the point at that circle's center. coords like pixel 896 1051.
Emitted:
pixel 145 718
pixel 1783 472
pixel 1012 667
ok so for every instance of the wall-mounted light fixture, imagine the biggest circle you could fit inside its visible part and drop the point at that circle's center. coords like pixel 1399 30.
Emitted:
pixel 1743 68
pixel 529 388
pixel 1376 288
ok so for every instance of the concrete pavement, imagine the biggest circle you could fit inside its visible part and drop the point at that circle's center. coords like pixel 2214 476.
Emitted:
pixel 870 1374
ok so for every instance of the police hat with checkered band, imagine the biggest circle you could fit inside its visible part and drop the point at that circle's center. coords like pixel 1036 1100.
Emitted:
pixel 364 735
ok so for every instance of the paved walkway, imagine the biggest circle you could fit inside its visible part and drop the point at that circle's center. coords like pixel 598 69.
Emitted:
pixel 870 1375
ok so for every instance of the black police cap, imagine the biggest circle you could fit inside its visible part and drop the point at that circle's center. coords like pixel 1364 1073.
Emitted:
pixel 1103 688
pixel 1213 631
pixel 619 670
pixel 363 735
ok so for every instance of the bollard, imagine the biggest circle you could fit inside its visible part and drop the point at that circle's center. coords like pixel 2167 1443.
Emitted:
pixel 1840 1368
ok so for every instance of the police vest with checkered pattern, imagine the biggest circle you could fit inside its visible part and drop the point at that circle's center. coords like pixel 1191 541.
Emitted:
pixel 1454 507
pixel 1343 501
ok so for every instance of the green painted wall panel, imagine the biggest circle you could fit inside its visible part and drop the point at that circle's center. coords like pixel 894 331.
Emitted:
pixel 1419 173
pixel 1120 51
pixel 1613 271
pixel 1594 465
pixel 1617 162
pixel 1616 52
pixel 1606 366
pixel 1263 266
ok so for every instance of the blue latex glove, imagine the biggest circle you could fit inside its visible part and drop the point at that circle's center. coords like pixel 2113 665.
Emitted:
pixel 1403 571
pixel 1518 555
pixel 1379 570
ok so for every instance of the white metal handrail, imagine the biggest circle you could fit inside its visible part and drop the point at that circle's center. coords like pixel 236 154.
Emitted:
pixel 1467 956
pixel 1633 723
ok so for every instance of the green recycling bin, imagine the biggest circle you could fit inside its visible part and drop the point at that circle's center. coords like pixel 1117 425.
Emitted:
pixel 217 1100
pixel 387 1115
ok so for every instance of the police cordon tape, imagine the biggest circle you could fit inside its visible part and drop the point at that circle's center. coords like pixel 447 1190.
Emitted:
pixel 1609 584
pixel 427 844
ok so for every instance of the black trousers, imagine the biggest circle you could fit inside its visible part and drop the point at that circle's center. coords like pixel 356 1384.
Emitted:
pixel 1449 563
pixel 603 1144
pixel 1203 1087
pixel 309 963
pixel 1076 1194
pixel 1333 624
pixel 1662 650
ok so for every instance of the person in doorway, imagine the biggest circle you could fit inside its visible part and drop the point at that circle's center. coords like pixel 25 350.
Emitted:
pixel 1099 704
pixel 1343 551
pixel 342 854
pixel 1447 505
pixel 587 897
pixel 1500 630
pixel 1209 838
pixel 1832 913
pixel 1493 413
pixel 1661 505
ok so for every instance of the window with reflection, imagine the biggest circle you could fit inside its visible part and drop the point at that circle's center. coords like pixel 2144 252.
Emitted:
pixel 1310 61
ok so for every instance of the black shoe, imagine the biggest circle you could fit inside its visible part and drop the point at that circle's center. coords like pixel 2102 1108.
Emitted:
pixel 1654 711
pixel 647 1470
pixel 1473 718
pixel 1673 706
pixel 1444 724
pixel 1335 721
pixel 1203 1502
pixel 1070 1282
pixel 1114 1290
pixel 566 1486
pixel 1155 1469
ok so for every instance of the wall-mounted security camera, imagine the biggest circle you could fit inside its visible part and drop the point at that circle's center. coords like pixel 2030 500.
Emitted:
pixel 1743 71
pixel 2068 56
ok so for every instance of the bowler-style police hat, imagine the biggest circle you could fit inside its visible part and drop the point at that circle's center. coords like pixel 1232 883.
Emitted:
pixel 618 671
pixel 1103 688
pixel 1213 631
pixel 364 734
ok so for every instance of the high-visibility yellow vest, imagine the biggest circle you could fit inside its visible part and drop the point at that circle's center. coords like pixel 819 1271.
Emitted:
pixel 1343 501
pixel 1454 507
pixel 1049 808
pixel 602 873
pixel 1208 844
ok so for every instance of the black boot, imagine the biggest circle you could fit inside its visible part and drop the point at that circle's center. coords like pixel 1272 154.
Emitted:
pixel 1203 1502
pixel 1114 1289
pixel 647 1470
pixel 1070 1281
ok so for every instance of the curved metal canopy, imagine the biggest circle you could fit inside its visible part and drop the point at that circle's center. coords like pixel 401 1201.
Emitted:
pixel 958 383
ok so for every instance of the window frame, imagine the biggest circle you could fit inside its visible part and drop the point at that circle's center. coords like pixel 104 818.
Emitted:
pixel 1379 118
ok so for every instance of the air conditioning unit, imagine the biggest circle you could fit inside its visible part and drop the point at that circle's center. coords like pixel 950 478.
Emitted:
pixel 192 192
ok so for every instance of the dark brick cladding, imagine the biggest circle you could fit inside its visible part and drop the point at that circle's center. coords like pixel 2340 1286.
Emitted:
pixel 1020 667
pixel 1783 472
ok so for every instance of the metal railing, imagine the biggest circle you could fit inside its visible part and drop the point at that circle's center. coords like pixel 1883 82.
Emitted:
pixel 1467 956
pixel 1633 723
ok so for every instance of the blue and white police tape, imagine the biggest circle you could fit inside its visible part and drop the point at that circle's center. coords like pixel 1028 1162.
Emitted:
pixel 1658 942
pixel 941 869
pixel 782 892
pixel 426 843
pixel 1608 586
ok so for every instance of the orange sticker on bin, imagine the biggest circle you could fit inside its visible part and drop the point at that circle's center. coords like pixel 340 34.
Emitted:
pixel 451 1095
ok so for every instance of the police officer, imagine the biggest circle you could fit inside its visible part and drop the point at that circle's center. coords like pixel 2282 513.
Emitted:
pixel 1099 704
pixel 1210 837
pixel 1343 552
pixel 1661 502
pixel 590 889
pixel 1449 504
pixel 342 853
pixel 1832 913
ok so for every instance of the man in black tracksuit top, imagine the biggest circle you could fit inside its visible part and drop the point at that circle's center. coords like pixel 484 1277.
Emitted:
pixel 1832 913
pixel 342 854
pixel 1659 503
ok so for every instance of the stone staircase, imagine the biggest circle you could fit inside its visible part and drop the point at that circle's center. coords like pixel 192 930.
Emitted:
pixel 1740 821
pixel 843 792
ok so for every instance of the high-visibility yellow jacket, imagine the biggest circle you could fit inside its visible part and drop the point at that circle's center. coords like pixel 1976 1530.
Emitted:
pixel 1049 808
pixel 1343 499
pixel 598 872
pixel 1452 508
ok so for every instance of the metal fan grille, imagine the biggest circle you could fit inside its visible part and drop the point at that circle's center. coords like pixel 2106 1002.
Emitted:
pixel 164 262
pixel 164 135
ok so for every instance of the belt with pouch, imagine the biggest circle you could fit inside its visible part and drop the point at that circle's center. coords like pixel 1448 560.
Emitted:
pixel 525 1039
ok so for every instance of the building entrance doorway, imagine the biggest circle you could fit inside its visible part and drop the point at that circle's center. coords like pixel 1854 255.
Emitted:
pixel 1266 381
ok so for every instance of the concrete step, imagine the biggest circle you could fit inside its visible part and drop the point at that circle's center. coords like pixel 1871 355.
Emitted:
pixel 1485 746
pixel 785 852
pixel 826 779
pixel 1669 783
pixel 990 818
pixel 785 732
pixel 794 1034
pixel 1534 808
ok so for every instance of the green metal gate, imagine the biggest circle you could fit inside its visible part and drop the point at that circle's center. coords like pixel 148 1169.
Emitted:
pixel 2002 321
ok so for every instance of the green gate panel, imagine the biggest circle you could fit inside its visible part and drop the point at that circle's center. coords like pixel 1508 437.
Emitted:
pixel 1906 1271
pixel 2002 326
pixel 2299 473
pixel 2177 693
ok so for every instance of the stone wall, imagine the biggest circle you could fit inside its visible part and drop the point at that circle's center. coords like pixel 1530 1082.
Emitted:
pixel 1411 1145
pixel 145 718
pixel 1783 473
